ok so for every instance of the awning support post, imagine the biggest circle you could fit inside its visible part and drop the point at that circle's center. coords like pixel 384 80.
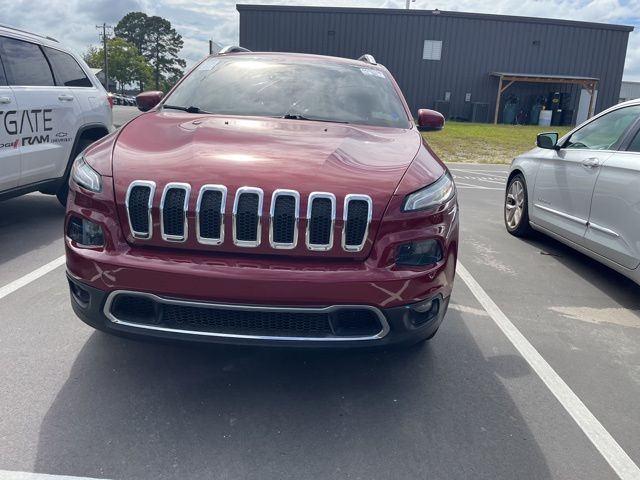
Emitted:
pixel 501 90
pixel 592 94
pixel 495 116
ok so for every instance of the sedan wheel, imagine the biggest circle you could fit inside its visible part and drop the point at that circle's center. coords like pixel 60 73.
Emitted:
pixel 516 214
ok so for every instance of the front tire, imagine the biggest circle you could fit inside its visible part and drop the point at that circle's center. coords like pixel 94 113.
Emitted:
pixel 63 191
pixel 516 207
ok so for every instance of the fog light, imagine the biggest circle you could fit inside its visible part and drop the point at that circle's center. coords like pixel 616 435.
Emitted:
pixel 423 307
pixel 424 252
pixel 85 232
pixel 425 311
pixel 79 294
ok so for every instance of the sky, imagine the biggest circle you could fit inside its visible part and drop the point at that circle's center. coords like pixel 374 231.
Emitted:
pixel 73 22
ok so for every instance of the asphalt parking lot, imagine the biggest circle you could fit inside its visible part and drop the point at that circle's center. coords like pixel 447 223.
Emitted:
pixel 473 403
pixel 122 114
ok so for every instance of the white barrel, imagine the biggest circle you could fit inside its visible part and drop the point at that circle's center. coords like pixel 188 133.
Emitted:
pixel 545 118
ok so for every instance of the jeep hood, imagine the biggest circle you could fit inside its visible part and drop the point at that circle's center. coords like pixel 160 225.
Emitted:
pixel 267 153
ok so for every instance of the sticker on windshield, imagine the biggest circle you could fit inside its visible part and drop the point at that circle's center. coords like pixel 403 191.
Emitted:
pixel 208 64
pixel 372 72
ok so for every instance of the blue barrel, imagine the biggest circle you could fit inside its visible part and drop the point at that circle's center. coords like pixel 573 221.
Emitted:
pixel 535 114
pixel 509 113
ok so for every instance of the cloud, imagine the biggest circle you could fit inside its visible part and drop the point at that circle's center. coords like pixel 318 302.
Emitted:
pixel 73 21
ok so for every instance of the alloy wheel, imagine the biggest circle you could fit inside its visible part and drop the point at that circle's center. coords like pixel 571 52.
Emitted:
pixel 514 205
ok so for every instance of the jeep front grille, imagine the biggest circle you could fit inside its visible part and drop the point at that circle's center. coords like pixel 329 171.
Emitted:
pixel 210 214
pixel 247 212
pixel 357 216
pixel 247 216
pixel 321 214
pixel 138 202
pixel 285 210
pixel 173 212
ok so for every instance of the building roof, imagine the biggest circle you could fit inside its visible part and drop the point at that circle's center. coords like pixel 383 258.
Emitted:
pixel 468 15
pixel 543 76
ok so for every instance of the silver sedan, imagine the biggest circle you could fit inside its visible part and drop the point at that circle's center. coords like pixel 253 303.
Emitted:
pixel 584 189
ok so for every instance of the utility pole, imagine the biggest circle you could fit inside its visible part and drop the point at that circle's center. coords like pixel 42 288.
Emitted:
pixel 409 3
pixel 105 36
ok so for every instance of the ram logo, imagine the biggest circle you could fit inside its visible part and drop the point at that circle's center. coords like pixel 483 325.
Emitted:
pixel 35 140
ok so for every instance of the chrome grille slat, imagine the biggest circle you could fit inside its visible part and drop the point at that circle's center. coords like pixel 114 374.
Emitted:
pixel 138 202
pixel 357 217
pixel 285 212
pixel 210 210
pixel 173 212
pixel 247 217
pixel 284 216
pixel 321 216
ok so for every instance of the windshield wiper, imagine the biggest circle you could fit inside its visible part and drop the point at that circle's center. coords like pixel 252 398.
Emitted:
pixel 290 116
pixel 184 109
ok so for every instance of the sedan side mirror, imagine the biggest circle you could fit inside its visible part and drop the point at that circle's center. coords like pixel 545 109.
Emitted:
pixel 548 140
pixel 147 100
pixel 430 120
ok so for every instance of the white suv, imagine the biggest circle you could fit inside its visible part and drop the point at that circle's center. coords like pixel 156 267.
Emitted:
pixel 51 108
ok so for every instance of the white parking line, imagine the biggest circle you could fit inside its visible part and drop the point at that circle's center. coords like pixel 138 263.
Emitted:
pixel 9 475
pixel 481 179
pixel 499 172
pixel 612 452
pixel 469 185
pixel 30 277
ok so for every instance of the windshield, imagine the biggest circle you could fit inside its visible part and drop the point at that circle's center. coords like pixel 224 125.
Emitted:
pixel 257 86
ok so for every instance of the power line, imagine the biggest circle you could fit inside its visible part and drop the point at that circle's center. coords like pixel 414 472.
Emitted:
pixel 104 36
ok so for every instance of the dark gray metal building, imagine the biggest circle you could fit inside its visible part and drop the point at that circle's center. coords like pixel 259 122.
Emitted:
pixel 452 61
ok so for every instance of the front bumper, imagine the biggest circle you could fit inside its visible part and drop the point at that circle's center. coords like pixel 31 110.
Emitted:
pixel 240 281
pixel 394 326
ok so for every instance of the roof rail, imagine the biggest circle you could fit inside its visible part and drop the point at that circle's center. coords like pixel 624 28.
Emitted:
pixel 368 59
pixel 232 49
pixel 9 27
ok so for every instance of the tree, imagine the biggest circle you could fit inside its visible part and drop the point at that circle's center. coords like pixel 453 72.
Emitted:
pixel 157 41
pixel 91 57
pixel 126 65
pixel 133 27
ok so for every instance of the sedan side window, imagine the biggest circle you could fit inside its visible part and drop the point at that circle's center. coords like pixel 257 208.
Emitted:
pixel 634 146
pixel 604 132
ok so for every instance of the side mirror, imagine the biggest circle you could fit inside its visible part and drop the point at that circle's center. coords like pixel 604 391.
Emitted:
pixel 147 100
pixel 430 120
pixel 548 140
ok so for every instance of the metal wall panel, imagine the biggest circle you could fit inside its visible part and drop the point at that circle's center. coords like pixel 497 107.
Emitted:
pixel 474 45
pixel 630 90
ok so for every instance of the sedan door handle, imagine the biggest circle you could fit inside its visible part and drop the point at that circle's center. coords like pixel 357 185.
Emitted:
pixel 5 100
pixel 65 98
pixel 591 163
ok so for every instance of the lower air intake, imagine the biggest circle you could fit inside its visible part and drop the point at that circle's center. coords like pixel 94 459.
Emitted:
pixel 154 312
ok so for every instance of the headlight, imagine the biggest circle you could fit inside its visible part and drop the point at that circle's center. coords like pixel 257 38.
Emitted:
pixel 439 192
pixel 85 176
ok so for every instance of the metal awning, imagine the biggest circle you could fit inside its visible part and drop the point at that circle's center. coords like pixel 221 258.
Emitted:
pixel 588 83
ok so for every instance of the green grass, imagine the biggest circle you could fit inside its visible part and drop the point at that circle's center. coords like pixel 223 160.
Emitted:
pixel 485 143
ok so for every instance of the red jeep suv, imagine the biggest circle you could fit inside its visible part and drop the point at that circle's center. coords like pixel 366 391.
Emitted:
pixel 269 198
